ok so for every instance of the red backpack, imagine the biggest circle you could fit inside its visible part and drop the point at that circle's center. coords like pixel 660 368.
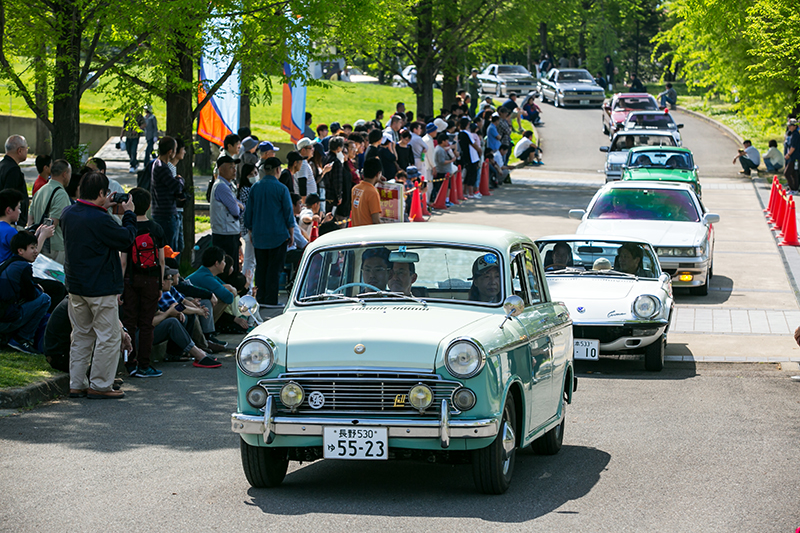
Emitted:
pixel 144 253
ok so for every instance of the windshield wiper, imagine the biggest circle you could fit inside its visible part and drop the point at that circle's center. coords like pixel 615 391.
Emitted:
pixel 327 295
pixel 612 272
pixel 396 295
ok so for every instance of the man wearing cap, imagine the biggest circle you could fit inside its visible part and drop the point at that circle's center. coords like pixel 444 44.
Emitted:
pixel 249 147
pixel 270 219
pixel 485 279
pixel 225 210
pixel 487 103
pixel 792 172
pixel 150 132
pixel 473 89
pixel 306 184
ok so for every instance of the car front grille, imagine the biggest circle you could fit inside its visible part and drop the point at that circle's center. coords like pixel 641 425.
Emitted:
pixel 362 392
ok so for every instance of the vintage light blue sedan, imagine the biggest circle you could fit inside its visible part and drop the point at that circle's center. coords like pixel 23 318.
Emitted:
pixel 408 341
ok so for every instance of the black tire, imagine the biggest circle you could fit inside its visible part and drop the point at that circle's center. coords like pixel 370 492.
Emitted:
pixel 605 129
pixel 550 442
pixel 654 355
pixel 263 467
pixel 493 466
pixel 555 99
pixel 702 290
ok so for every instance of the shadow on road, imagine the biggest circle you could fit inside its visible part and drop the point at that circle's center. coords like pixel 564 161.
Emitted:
pixel 540 486
pixel 719 292
pixel 631 367
pixel 531 200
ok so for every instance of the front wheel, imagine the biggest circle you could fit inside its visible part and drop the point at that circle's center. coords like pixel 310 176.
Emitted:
pixel 493 466
pixel 263 467
pixel 654 355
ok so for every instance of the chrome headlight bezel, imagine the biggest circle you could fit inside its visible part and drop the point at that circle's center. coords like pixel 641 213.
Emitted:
pixel 269 360
pixel 679 251
pixel 479 357
pixel 644 299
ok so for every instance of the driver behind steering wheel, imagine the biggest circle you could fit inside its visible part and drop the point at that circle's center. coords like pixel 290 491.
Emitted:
pixel 376 268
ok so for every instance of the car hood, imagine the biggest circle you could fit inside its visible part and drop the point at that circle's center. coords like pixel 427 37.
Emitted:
pixel 578 87
pixel 517 77
pixel 656 232
pixel 617 158
pixel 593 299
pixel 404 336
pixel 620 115
pixel 661 174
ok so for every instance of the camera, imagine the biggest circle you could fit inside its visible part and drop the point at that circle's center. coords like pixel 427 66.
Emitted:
pixel 119 197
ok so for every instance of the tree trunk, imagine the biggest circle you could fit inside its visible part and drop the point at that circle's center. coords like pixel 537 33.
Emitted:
pixel 450 75
pixel 180 101
pixel 66 82
pixel 244 107
pixel 424 59
pixel 43 145
pixel 543 37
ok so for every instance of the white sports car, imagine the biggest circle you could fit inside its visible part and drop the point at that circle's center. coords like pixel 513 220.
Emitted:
pixel 668 215
pixel 618 298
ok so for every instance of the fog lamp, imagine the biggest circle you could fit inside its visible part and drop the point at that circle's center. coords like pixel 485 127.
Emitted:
pixel 257 397
pixel 685 276
pixel 292 395
pixel 464 399
pixel 420 397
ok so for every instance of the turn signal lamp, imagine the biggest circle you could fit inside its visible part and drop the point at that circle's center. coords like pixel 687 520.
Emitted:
pixel 685 276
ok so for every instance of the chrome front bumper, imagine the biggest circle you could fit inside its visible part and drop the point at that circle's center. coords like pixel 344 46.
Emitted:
pixel 268 425
pixel 696 266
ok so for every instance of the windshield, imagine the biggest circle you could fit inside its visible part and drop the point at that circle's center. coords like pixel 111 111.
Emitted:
pixel 355 71
pixel 512 69
pixel 643 104
pixel 575 257
pixel 645 204
pixel 660 121
pixel 656 159
pixel 628 141
pixel 390 271
pixel 580 76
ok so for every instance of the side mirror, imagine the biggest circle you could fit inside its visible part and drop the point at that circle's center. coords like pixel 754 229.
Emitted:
pixel 664 277
pixel 696 168
pixel 680 126
pixel 710 218
pixel 605 148
pixel 577 214
pixel 513 306
pixel 249 306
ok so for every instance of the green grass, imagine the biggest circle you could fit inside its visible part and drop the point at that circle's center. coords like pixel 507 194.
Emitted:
pixel 738 122
pixel 19 369
pixel 201 224
pixel 336 102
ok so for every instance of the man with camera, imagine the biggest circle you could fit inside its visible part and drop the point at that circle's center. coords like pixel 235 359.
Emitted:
pixel 47 207
pixel 93 241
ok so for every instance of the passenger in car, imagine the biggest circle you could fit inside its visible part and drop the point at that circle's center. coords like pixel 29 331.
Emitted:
pixel 485 279
pixel 629 258
pixel 402 276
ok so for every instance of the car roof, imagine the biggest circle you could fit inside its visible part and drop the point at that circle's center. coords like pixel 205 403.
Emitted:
pixel 633 95
pixel 667 185
pixel 466 234
pixel 581 237
pixel 656 133
pixel 659 149
pixel 649 112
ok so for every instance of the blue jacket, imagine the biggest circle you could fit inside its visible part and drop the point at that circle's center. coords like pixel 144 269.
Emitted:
pixel 203 278
pixel 269 214
pixel 92 242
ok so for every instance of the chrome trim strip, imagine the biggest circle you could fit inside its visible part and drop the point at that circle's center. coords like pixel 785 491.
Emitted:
pixel 444 425
pixel 312 426
pixel 269 420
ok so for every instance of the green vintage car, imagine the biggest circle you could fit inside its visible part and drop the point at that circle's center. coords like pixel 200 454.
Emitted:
pixel 663 163
pixel 408 341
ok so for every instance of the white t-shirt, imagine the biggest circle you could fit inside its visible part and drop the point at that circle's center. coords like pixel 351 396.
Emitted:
pixel 473 153
pixel 306 172
pixel 521 146
pixel 305 212
pixel 753 155
pixel 498 158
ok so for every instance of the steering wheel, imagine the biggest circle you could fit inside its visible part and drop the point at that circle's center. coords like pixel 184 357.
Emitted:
pixel 356 284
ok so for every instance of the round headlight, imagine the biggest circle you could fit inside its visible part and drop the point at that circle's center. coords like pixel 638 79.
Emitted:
pixel 646 306
pixel 464 399
pixel 255 356
pixel 420 397
pixel 463 359
pixel 257 397
pixel 292 395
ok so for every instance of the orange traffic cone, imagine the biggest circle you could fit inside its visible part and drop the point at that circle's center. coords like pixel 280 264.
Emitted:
pixel 441 198
pixel 423 196
pixel 416 208
pixel 771 194
pixel 460 183
pixel 455 180
pixel 314 232
pixel 779 210
pixel 484 187
pixel 349 222
pixel 790 227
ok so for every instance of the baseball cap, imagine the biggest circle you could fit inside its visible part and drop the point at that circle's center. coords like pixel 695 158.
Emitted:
pixel 474 70
pixel 483 264
pixel 792 122
pixel 271 163
pixel 293 157
pixel 226 159
pixel 266 146
pixel 304 143
pixel 170 253
pixel 430 127
pixel 170 271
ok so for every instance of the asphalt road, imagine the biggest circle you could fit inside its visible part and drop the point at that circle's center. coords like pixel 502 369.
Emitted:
pixel 697 447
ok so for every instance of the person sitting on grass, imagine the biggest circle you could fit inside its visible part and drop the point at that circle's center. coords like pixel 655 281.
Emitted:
pixel 526 150
pixel 23 304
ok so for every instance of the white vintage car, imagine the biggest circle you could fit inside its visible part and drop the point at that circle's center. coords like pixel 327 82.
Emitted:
pixel 619 299
pixel 668 215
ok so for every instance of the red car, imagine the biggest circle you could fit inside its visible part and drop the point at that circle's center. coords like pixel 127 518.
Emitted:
pixel 617 109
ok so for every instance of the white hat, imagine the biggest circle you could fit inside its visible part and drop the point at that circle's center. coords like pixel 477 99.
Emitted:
pixel 302 143
pixel 441 125
pixel 386 137
pixel 360 122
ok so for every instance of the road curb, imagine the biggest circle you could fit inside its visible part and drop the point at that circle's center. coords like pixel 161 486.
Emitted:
pixel 717 124
pixel 34 393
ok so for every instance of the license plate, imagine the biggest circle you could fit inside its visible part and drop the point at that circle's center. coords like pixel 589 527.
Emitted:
pixel 587 349
pixel 584 102
pixel 355 443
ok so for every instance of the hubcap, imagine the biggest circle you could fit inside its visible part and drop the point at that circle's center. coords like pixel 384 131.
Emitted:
pixel 509 443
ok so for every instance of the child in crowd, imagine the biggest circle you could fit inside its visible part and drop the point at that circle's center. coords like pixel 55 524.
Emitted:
pixel 23 304
pixel 43 163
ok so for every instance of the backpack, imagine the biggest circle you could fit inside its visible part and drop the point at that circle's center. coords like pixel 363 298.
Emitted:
pixel 202 245
pixel 144 254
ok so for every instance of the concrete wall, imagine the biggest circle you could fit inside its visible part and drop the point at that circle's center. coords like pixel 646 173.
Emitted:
pixel 95 135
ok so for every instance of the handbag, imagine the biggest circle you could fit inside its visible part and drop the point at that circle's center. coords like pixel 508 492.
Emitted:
pixel 122 144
